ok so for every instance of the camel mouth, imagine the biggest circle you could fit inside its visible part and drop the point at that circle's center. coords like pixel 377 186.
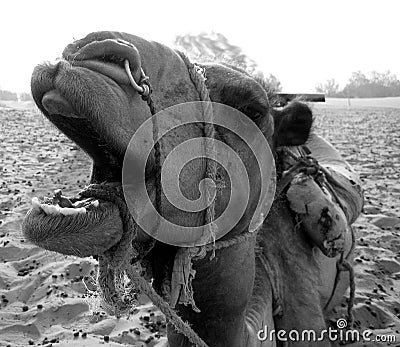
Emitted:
pixel 76 226
pixel 63 93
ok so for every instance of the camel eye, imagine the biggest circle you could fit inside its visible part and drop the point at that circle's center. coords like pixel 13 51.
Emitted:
pixel 257 116
pixel 254 113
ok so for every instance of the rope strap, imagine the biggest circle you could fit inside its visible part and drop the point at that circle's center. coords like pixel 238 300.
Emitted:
pixel 118 297
pixel 183 327
pixel 112 262
pixel 343 264
pixel 183 272
pixel 197 75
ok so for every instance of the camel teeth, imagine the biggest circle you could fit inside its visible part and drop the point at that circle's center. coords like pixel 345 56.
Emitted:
pixel 68 211
pixel 56 209
pixel 35 203
pixel 51 209
pixel 82 203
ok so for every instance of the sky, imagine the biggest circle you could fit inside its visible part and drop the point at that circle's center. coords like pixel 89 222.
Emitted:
pixel 301 42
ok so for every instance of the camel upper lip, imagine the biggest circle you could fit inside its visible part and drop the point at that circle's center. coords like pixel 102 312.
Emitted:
pixel 53 99
pixel 109 69
pixel 56 91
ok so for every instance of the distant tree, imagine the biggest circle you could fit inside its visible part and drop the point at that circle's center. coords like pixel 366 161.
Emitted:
pixel 274 83
pixel 26 97
pixel 360 85
pixel 216 47
pixel 375 85
pixel 11 96
pixel 357 85
pixel 330 88
pixel 270 81
pixel 8 96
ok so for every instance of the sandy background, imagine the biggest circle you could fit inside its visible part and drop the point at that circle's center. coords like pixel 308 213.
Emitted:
pixel 43 299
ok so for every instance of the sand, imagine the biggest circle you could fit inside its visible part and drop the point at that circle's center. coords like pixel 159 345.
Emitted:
pixel 43 298
pixel 42 295
pixel 368 139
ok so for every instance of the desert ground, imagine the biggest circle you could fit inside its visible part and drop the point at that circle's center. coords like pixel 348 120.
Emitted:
pixel 45 298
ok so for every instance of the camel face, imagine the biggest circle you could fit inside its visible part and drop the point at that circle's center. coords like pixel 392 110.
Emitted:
pixel 88 96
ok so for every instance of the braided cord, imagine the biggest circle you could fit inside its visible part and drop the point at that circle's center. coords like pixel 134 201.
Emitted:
pixel 197 75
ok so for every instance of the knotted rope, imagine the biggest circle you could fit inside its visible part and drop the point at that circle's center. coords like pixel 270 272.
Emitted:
pixel 117 260
pixel 342 265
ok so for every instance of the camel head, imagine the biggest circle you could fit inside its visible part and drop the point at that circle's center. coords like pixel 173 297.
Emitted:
pixel 88 96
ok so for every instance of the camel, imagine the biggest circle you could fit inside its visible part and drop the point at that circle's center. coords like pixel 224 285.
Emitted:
pixel 277 279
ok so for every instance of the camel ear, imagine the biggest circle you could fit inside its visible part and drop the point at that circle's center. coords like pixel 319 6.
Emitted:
pixel 293 124
pixel 237 89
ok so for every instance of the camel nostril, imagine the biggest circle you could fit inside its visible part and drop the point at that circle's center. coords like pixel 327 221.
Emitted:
pixel 54 104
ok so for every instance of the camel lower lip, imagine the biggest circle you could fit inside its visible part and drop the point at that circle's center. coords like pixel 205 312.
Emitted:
pixel 55 103
pixel 79 234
